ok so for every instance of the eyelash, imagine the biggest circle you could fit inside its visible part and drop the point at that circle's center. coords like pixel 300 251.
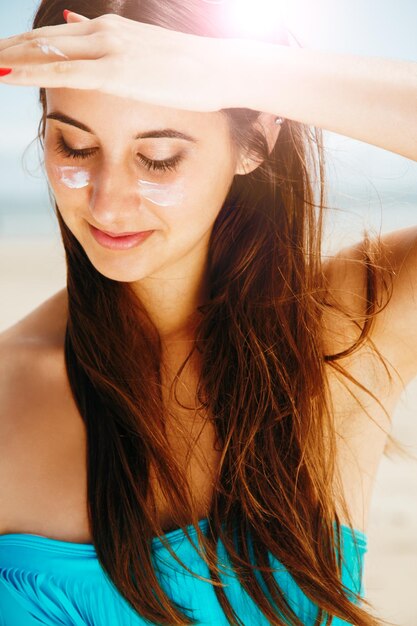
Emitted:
pixel 169 164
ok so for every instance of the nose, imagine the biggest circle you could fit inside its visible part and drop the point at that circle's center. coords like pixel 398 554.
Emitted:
pixel 114 197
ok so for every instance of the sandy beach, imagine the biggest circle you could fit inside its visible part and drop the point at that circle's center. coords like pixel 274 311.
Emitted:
pixel 32 270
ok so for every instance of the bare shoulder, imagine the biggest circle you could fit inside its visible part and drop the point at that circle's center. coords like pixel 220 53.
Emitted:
pixel 45 324
pixel 30 341
pixel 361 423
pixel 29 349
pixel 31 367
pixel 394 331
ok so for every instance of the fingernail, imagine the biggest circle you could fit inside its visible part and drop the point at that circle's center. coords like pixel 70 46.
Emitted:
pixel 66 14
pixel 4 71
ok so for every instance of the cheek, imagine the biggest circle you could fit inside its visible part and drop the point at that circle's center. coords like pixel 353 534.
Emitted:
pixel 163 195
pixel 69 177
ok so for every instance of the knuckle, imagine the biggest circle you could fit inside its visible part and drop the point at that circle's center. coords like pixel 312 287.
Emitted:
pixel 106 18
pixel 62 67
pixel 110 39
pixel 27 36
pixel 38 42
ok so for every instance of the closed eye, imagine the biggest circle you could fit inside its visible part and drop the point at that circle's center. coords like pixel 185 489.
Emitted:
pixel 169 164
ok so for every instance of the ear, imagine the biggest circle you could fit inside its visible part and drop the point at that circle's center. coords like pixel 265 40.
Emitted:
pixel 247 164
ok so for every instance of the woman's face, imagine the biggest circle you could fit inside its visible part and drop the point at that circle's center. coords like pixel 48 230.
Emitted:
pixel 115 185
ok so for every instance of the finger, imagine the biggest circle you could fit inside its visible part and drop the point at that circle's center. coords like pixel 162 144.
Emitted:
pixel 84 74
pixel 60 30
pixel 76 17
pixel 47 50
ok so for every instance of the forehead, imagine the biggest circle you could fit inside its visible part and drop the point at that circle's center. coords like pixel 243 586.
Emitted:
pixel 107 114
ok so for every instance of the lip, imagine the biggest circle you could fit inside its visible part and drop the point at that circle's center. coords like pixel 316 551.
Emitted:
pixel 119 242
pixel 122 234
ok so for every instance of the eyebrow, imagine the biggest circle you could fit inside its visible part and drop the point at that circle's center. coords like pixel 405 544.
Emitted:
pixel 165 133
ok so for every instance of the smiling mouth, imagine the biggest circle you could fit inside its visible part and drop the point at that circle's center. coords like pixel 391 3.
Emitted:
pixel 120 242
pixel 126 234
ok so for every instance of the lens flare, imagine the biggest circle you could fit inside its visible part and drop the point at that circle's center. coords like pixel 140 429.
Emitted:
pixel 258 17
pixel 263 19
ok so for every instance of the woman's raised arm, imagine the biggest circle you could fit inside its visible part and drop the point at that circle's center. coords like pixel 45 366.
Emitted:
pixel 367 98
pixel 371 99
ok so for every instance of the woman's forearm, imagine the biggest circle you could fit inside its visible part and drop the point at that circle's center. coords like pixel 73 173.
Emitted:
pixel 367 98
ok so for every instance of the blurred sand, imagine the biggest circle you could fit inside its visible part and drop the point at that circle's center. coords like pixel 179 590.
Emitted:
pixel 33 270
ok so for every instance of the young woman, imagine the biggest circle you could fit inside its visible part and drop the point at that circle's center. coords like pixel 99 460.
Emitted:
pixel 190 430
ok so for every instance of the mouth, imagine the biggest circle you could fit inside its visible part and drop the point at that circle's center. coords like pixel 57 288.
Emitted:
pixel 119 241
pixel 127 234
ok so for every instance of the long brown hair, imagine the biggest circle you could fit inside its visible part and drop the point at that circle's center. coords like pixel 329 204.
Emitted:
pixel 262 376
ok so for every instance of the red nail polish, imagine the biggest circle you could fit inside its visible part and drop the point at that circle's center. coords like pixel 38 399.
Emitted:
pixel 4 71
pixel 66 14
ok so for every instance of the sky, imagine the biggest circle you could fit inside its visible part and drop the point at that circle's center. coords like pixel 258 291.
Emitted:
pixel 371 28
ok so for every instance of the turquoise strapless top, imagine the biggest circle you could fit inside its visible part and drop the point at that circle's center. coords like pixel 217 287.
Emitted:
pixel 53 582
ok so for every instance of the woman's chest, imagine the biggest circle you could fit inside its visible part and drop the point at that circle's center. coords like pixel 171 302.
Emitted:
pixel 48 492
pixel 47 482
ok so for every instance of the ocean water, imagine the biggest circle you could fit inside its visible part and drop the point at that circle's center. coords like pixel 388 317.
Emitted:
pixel 27 217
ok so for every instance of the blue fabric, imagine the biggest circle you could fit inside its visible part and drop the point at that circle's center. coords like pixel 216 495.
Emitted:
pixel 52 582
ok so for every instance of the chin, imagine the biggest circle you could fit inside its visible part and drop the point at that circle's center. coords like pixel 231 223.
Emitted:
pixel 117 267
pixel 120 271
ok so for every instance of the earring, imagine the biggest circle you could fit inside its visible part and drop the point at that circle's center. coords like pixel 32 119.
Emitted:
pixel 279 121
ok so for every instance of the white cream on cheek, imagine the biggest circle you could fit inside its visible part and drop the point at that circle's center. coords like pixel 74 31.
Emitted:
pixel 161 194
pixel 72 177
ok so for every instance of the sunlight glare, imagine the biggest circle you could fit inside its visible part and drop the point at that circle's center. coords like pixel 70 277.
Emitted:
pixel 256 18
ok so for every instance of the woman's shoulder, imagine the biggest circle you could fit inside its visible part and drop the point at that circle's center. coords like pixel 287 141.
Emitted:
pixel 394 331
pixel 31 351
pixel 43 326
pixel 32 394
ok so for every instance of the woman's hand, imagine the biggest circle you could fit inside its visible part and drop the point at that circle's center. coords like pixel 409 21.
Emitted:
pixel 125 58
